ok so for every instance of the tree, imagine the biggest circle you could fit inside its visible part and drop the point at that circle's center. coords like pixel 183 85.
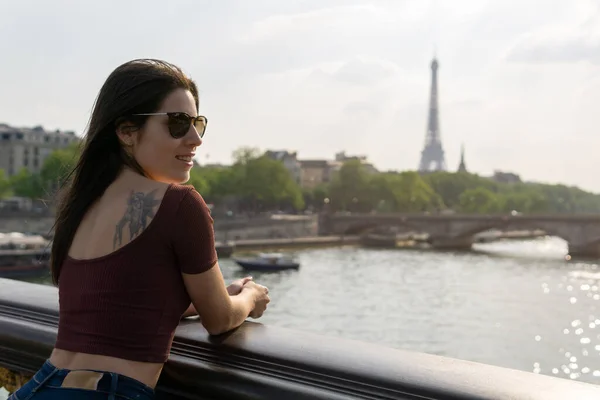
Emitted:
pixel 26 184
pixel 5 189
pixel 403 192
pixel 350 188
pixel 415 195
pixel 57 167
pixel 199 181
pixel 450 186
pixel 253 183
pixel 479 200
pixel 245 154
pixel 319 195
pixel 265 183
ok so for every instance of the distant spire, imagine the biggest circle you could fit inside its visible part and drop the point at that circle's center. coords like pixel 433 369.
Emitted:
pixel 462 166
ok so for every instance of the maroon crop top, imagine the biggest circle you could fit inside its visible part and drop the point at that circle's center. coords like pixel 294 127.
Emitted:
pixel 128 303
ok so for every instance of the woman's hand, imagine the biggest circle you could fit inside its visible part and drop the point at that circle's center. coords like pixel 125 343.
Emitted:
pixel 233 289
pixel 261 298
pixel 236 286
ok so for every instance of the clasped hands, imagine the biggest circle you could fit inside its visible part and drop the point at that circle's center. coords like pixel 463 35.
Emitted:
pixel 238 285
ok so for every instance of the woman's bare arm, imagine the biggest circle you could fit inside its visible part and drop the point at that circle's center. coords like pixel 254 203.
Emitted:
pixel 219 312
pixel 233 289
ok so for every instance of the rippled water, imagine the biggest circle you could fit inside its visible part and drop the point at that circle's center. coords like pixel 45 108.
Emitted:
pixel 512 304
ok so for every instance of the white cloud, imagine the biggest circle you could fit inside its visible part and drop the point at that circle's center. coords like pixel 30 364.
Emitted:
pixel 335 19
pixel 572 40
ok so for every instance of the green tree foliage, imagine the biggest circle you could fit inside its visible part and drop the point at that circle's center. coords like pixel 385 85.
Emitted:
pixel 54 171
pixel 199 180
pixel 350 189
pixel 264 183
pixel 256 183
pixel 480 201
pixel 26 184
pixel 450 186
pixel 402 192
pixel 58 165
pixel 5 187
pixel 355 189
pixel 314 199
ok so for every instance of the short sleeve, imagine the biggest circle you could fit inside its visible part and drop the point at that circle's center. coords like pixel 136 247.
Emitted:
pixel 193 238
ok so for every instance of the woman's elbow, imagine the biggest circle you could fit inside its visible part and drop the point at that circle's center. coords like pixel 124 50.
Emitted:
pixel 217 326
pixel 216 329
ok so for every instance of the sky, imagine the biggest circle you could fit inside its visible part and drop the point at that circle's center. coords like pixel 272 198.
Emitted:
pixel 519 83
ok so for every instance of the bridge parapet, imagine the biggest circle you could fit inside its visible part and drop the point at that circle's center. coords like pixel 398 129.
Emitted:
pixel 582 232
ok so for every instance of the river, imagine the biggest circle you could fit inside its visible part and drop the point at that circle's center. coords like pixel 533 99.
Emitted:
pixel 511 304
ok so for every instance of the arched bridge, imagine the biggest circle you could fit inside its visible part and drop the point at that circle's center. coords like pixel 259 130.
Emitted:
pixel 456 231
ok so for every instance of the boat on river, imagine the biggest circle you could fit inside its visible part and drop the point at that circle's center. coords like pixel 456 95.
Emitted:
pixel 23 255
pixel 24 263
pixel 268 262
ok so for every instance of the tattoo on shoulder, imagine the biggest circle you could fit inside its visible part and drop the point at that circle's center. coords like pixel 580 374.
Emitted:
pixel 140 208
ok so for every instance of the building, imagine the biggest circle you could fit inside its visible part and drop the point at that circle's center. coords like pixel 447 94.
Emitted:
pixel 289 160
pixel 312 173
pixel 506 177
pixel 28 147
pixel 462 167
pixel 341 158
pixel 317 172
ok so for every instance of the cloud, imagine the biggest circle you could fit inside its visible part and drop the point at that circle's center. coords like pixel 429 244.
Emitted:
pixel 567 42
pixel 360 70
pixel 335 19
pixel 557 50
pixel 361 108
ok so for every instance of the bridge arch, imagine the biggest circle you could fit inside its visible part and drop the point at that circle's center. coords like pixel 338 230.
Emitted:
pixel 366 227
pixel 506 224
pixel 581 232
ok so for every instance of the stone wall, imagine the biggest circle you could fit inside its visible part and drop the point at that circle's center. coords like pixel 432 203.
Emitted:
pixel 277 229
pixel 36 225
pixel 259 229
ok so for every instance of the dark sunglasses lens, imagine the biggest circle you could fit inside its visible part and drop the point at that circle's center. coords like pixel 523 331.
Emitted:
pixel 200 126
pixel 179 124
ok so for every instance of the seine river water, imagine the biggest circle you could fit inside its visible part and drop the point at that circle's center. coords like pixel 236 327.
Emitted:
pixel 511 304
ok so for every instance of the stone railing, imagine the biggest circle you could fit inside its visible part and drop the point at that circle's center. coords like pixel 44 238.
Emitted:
pixel 266 362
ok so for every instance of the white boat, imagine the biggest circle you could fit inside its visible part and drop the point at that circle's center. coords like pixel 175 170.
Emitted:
pixel 268 262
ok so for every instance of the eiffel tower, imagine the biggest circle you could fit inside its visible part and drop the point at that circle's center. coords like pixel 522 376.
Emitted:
pixel 432 156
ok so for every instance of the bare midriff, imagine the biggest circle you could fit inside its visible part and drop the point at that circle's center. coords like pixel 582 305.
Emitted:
pixel 147 373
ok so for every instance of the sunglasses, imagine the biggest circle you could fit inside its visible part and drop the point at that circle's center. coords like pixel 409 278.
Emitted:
pixel 179 123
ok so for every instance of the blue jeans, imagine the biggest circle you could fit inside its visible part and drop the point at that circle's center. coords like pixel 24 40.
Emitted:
pixel 46 385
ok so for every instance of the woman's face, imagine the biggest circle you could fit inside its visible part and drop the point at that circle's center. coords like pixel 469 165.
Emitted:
pixel 161 156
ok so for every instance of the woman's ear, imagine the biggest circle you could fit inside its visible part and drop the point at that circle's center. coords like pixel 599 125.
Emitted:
pixel 126 132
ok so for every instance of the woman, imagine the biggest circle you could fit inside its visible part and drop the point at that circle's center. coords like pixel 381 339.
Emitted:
pixel 133 249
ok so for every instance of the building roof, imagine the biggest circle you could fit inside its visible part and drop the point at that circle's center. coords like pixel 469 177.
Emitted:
pixel 314 163
pixel 5 128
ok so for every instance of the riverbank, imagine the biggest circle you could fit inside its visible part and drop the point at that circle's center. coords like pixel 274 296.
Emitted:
pixel 225 249
pixel 292 243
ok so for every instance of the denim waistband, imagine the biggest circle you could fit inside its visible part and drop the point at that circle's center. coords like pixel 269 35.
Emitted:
pixel 113 383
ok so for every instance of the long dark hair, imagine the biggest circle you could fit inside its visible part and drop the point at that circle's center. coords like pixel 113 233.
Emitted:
pixel 138 86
